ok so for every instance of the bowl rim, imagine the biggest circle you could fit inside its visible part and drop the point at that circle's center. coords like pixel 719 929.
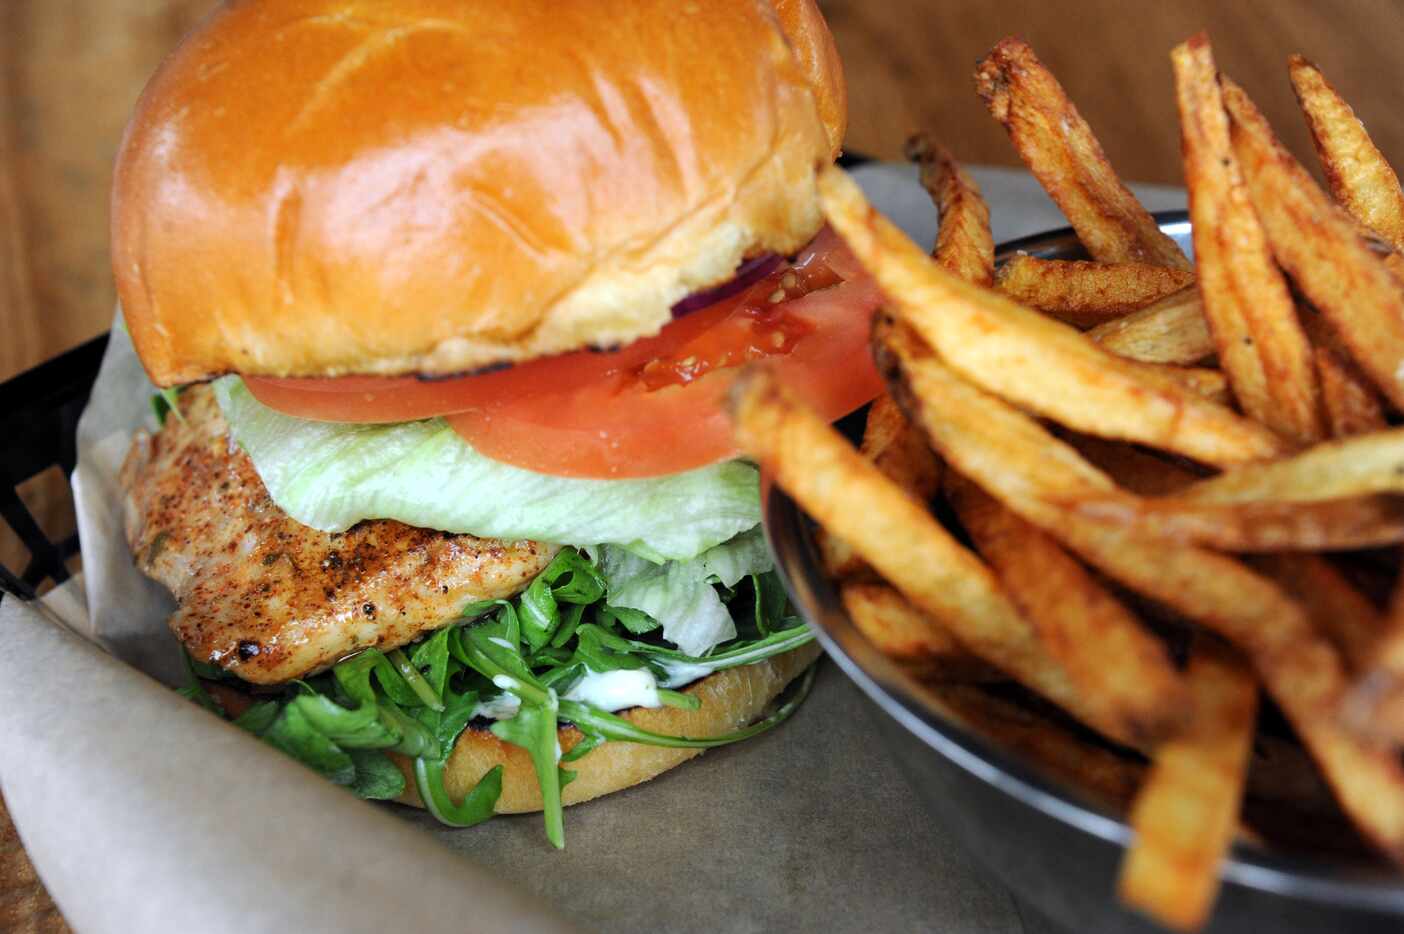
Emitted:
pixel 899 695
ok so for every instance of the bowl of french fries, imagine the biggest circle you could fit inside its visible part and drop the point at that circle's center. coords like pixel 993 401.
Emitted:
pixel 1117 555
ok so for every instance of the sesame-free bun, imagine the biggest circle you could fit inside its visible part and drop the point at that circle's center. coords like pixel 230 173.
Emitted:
pixel 730 699
pixel 333 187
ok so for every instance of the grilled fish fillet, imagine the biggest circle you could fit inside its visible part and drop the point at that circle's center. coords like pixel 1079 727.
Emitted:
pixel 270 599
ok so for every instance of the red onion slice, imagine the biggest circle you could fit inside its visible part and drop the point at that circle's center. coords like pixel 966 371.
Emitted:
pixel 748 273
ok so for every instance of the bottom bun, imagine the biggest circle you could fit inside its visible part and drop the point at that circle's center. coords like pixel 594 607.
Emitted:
pixel 729 699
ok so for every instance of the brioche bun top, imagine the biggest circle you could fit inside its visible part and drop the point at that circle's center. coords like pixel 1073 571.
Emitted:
pixel 333 187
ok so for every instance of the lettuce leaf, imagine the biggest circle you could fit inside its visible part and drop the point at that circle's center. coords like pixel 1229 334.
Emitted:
pixel 331 476
pixel 682 594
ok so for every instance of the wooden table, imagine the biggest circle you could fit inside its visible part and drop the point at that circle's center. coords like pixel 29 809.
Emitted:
pixel 73 68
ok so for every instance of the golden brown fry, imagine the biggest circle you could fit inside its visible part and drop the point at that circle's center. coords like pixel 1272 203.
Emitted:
pixel 906 634
pixel 1086 294
pixel 899 451
pixel 1059 148
pixel 1356 466
pixel 1038 363
pixel 1087 769
pixel 838 557
pixel 1187 811
pixel 1102 645
pixel 1212 385
pixel 1358 175
pixel 1339 610
pixel 1376 704
pixel 1135 470
pixel 964 244
pixel 1172 330
pixel 1352 405
pixel 1251 316
pixel 908 547
pixel 1301 669
pixel 1329 525
pixel 1317 243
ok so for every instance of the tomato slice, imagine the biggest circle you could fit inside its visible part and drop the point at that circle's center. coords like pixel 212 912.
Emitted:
pixel 652 408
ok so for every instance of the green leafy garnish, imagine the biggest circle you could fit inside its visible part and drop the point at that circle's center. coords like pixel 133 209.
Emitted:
pixel 164 403
pixel 515 663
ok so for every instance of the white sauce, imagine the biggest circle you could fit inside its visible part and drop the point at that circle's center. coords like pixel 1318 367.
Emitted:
pixel 502 707
pixel 616 690
pixel 681 674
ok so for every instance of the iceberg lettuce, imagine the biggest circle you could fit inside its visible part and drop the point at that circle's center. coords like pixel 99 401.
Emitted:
pixel 331 476
pixel 680 594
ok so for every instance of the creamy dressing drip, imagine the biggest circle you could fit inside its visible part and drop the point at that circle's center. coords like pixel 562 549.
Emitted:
pixel 616 690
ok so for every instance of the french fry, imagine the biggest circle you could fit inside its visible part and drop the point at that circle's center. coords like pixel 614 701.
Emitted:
pixel 1186 812
pixel 1351 404
pixel 1040 364
pixel 1251 316
pixel 1098 641
pixel 1135 470
pixel 1339 610
pixel 964 244
pixel 1086 294
pixel 1060 150
pixel 1211 385
pixel 1085 768
pixel 1376 704
pixel 1299 667
pixel 899 451
pixel 1357 174
pixel 838 557
pixel 1327 525
pixel 894 533
pixel 1172 331
pixel 904 633
pixel 1317 243
pixel 1358 466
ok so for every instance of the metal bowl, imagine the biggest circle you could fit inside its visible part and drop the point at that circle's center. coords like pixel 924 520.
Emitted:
pixel 1046 843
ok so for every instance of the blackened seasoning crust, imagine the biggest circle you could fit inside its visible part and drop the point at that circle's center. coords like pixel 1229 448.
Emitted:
pixel 270 599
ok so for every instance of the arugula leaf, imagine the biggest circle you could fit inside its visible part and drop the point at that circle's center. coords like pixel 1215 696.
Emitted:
pixel 493 650
pixel 258 718
pixel 476 807
pixel 771 601
pixel 636 621
pixel 165 402
pixel 433 654
pixel 361 728
pixel 569 621
pixel 453 719
pixel 534 728
pixel 194 691
pixel 601 650
pixel 354 677
pixel 294 735
pixel 571 579
pixel 588 743
pixel 377 778
pixel 611 727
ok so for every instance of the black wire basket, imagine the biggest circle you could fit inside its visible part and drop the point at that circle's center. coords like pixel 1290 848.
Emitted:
pixel 39 412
